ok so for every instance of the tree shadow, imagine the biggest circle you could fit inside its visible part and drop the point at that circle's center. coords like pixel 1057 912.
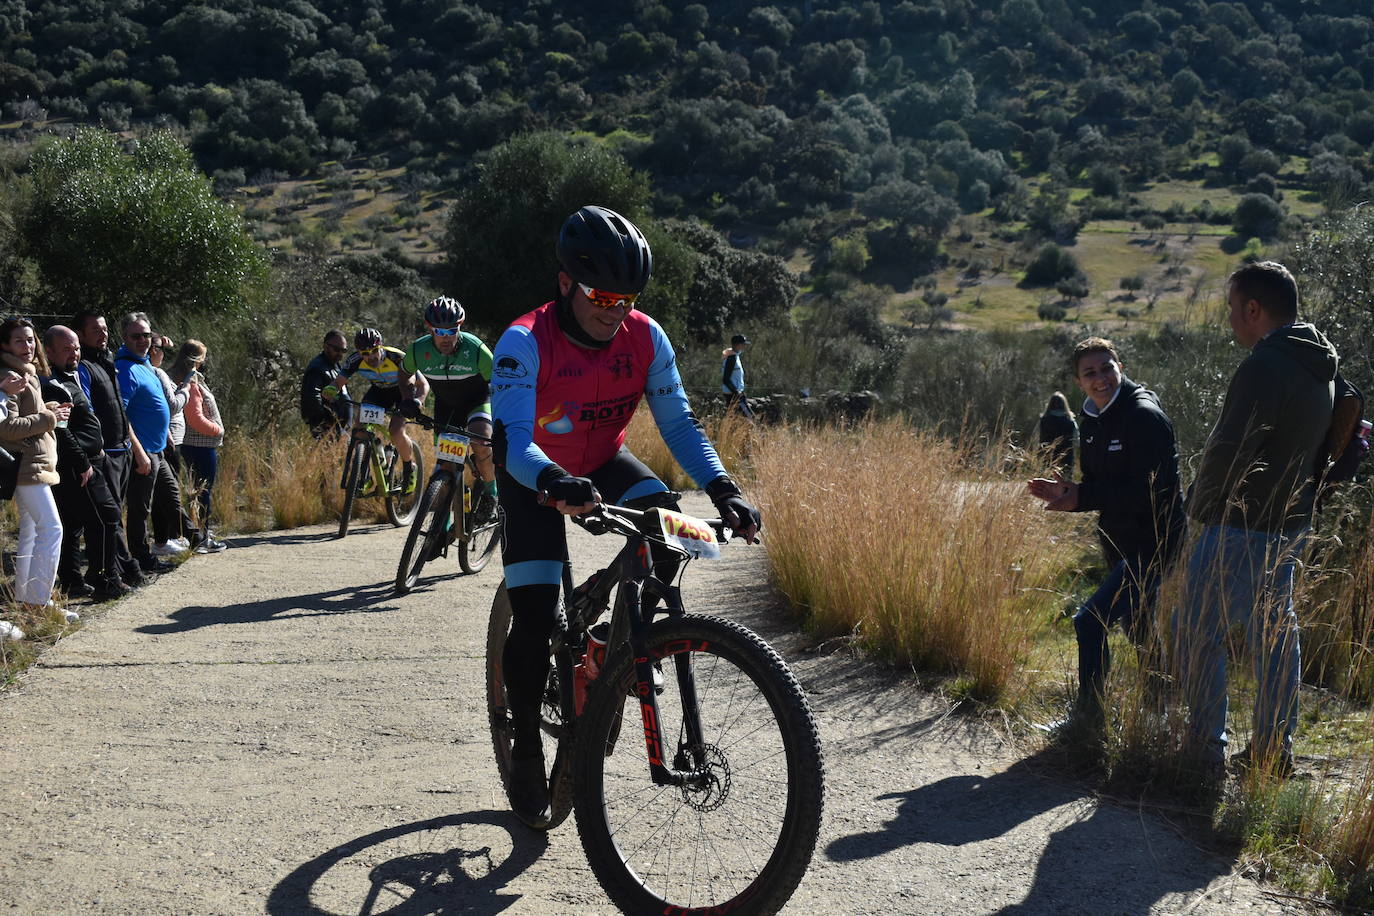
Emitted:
pixel 347 600
pixel 1094 858
pixel 453 864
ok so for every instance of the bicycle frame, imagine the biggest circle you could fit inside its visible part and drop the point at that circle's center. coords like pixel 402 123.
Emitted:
pixel 455 471
pixel 632 572
pixel 373 434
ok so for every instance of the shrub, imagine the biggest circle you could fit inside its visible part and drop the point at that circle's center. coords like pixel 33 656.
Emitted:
pixel 1050 265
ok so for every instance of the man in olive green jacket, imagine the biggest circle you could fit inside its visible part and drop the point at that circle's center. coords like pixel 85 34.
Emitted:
pixel 1253 499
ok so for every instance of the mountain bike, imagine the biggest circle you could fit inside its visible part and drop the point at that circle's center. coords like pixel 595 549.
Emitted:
pixel 446 511
pixel 718 807
pixel 370 468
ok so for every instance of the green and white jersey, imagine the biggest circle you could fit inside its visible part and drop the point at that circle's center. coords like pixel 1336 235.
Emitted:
pixel 461 380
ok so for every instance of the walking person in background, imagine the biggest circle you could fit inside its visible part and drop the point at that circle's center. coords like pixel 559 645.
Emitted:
pixel 84 500
pixel 29 432
pixel 1253 499
pixel 172 526
pixel 1059 431
pixel 732 375
pixel 1130 478
pixel 204 436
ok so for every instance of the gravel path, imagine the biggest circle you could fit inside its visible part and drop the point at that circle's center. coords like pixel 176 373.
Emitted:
pixel 269 730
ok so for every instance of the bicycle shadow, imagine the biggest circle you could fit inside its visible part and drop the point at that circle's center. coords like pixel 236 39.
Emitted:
pixel 1095 857
pixel 346 600
pixel 454 865
pixel 289 538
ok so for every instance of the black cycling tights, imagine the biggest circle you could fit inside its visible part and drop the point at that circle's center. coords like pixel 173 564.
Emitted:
pixel 526 655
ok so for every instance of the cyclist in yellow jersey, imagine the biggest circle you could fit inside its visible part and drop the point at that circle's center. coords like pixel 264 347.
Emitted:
pixel 384 368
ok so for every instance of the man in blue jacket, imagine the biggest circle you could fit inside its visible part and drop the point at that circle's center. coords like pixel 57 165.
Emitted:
pixel 149 414
pixel 1130 478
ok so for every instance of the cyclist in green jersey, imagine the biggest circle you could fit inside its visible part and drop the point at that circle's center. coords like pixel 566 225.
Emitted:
pixel 382 367
pixel 457 367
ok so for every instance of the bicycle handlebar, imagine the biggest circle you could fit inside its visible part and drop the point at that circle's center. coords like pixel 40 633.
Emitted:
pixel 628 522
pixel 431 423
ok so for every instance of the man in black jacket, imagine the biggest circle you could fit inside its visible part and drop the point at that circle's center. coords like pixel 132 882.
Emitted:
pixel 1130 477
pixel 123 452
pixel 322 372
pixel 84 500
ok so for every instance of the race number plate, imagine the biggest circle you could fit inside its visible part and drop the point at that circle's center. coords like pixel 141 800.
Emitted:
pixel 693 535
pixel 453 447
pixel 371 413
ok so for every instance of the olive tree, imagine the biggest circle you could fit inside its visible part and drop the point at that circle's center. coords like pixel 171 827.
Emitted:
pixel 116 228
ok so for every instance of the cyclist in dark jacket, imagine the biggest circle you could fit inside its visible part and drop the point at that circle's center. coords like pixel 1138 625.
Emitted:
pixel 1130 478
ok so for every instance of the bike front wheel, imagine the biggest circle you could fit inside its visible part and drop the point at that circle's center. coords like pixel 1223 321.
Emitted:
pixel 738 834
pixel 427 533
pixel 355 469
pixel 401 506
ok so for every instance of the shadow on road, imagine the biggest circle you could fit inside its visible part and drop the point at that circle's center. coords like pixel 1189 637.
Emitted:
pixel 287 538
pixel 347 600
pixel 445 865
pixel 1101 856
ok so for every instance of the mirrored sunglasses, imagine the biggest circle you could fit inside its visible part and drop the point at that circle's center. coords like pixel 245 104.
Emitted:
pixel 445 332
pixel 602 299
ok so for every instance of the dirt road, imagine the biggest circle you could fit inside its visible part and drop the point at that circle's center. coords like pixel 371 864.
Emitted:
pixel 269 730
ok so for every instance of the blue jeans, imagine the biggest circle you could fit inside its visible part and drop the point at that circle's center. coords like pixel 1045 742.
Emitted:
pixel 204 462
pixel 1239 576
pixel 1126 595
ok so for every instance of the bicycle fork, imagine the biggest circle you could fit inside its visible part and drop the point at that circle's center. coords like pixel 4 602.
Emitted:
pixel 631 592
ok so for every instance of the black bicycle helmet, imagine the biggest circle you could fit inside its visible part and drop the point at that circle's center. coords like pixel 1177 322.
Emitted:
pixel 603 249
pixel 444 313
pixel 367 338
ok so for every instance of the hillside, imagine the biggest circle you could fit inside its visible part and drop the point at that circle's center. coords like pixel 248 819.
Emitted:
pixel 917 129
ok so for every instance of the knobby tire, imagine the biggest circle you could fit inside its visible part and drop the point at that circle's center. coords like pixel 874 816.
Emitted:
pixel 738 842
pixel 356 463
pixel 427 528
pixel 555 712
pixel 400 507
pixel 478 543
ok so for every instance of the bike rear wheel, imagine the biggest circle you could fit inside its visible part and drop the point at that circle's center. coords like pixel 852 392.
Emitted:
pixel 737 837
pixel 480 540
pixel 400 507
pixel 354 468
pixel 556 713
pixel 426 534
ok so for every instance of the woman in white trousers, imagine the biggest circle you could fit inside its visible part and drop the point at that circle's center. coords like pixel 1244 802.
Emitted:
pixel 28 430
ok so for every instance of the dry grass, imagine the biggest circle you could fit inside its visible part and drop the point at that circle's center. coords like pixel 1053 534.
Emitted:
pixel 732 435
pixel 906 541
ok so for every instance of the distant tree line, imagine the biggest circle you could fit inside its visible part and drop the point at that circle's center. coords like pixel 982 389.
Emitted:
pixel 801 117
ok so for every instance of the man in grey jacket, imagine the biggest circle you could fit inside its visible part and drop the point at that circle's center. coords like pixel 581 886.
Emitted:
pixel 1253 498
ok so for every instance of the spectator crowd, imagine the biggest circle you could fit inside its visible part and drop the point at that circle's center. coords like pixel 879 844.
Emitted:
pixel 95 444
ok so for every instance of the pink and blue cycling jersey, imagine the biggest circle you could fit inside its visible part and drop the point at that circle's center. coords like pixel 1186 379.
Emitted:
pixel 569 405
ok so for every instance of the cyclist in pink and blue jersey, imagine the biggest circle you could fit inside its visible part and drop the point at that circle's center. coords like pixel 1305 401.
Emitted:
pixel 566 379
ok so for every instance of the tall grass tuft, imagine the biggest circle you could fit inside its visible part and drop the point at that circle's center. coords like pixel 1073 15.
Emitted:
pixel 304 488
pixel 731 434
pixel 909 542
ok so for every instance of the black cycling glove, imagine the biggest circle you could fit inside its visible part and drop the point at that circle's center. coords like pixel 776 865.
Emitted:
pixel 563 487
pixel 734 511
pixel 410 408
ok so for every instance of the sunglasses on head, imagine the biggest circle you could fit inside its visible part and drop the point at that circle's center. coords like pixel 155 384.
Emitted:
pixel 445 332
pixel 602 299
